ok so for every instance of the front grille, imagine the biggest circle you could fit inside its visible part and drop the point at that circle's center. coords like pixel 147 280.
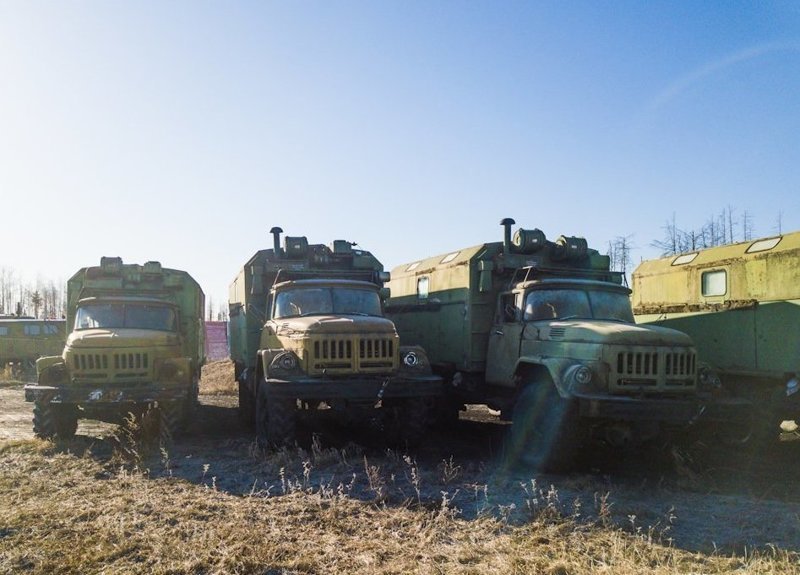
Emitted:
pixel 119 366
pixel 654 370
pixel 340 355
pixel 116 361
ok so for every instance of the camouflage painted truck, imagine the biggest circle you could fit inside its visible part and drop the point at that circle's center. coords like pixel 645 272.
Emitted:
pixel 136 342
pixel 543 332
pixel 741 305
pixel 307 331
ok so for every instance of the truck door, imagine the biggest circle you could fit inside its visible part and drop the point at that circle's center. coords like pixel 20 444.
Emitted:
pixel 504 340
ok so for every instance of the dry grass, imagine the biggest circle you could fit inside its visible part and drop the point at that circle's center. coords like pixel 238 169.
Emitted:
pixel 67 513
pixel 217 379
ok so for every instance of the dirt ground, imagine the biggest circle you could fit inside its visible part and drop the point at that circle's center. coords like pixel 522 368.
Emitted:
pixel 703 500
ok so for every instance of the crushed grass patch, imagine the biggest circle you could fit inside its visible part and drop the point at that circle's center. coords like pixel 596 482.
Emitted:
pixel 67 513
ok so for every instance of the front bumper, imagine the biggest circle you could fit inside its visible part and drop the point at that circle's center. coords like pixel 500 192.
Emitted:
pixel 99 394
pixel 666 410
pixel 355 388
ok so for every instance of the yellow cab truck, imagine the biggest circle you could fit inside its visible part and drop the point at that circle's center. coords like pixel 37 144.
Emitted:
pixel 543 332
pixel 740 303
pixel 136 341
pixel 307 332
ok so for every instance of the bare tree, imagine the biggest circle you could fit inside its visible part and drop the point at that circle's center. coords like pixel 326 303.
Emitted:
pixel 671 242
pixel 730 224
pixel 619 251
pixel 747 226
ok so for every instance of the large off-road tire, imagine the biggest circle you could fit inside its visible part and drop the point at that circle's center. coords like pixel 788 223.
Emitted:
pixel 406 421
pixel 545 432
pixel 275 419
pixel 446 413
pixel 171 420
pixel 247 407
pixel 51 420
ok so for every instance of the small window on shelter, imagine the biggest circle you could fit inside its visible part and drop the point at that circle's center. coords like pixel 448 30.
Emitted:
pixel 422 287
pixel 33 329
pixel 714 283
pixel 684 259
pixel 763 245
pixel 4 330
pixel 449 258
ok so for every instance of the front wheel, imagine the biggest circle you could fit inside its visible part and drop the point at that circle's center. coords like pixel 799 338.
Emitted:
pixel 275 419
pixel 54 420
pixel 545 431
pixel 170 420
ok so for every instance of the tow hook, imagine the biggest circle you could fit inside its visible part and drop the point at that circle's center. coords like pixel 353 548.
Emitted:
pixel 698 415
pixel 384 385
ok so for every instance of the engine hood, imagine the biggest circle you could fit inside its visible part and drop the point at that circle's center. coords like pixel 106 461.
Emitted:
pixel 121 338
pixel 322 324
pixel 611 332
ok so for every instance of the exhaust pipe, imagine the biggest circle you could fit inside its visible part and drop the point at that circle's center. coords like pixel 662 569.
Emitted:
pixel 507 223
pixel 276 240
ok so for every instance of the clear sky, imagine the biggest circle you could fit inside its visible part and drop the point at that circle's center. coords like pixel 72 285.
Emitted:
pixel 183 131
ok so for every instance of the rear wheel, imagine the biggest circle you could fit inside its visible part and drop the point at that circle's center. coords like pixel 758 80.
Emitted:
pixel 247 407
pixel 545 432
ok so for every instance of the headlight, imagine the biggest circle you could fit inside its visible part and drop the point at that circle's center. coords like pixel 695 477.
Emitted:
pixel 581 378
pixel 583 375
pixel 707 379
pixel 410 359
pixel 286 361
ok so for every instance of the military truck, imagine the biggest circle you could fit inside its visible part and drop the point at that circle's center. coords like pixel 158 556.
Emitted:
pixel 136 341
pixel 24 339
pixel 740 303
pixel 307 332
pixel 543 332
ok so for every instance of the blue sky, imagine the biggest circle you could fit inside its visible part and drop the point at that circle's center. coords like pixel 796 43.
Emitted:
pixel 183 131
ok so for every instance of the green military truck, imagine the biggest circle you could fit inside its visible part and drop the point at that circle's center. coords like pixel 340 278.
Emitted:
pixel 25 339
pixel 543 332
pixel 136 341
pixel 741 305
pixel 307 332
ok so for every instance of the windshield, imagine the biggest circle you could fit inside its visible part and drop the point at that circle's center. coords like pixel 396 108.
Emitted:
pixel 119 315
pixel 565 303
pixel 326 300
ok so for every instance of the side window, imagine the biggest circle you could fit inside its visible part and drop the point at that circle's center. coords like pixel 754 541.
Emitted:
pixel 33 330
pixel 422 287
pixel 714 283
pixel 50 329
pixel 3 330
pixel 508 308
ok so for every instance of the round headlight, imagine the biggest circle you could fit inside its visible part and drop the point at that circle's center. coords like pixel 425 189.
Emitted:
pixel 583 375
pixel 410 359
pixel 287 361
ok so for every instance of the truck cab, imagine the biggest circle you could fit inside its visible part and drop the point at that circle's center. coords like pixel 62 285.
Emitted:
pixel 136 341
pixel 543 331
pixel 308 333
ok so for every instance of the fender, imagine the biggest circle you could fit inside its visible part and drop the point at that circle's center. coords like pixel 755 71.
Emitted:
pixel 265 357
pixel 51 370
pixel 538 367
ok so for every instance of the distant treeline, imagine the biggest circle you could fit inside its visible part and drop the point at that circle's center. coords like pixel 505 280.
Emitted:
pixel 40 299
